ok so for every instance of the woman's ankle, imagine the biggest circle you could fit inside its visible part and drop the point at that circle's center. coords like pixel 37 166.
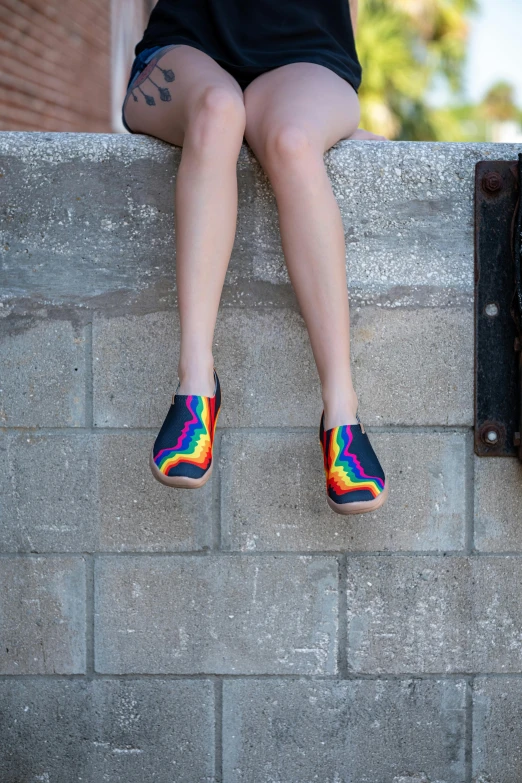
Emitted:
pixel 197 377
pixel 340 409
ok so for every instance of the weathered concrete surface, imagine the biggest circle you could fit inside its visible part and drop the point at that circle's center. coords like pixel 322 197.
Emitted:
pixel 354 732
pixel 48 486
pixel 498 505
pixel 497 730
pixel 423 360
pixel 430 614
pixel 263 359
pixel 414 367
pixel 273 494
pixel 138 513
pixel 93 492
pixel 59 731
pixel 88 218
pixel 42 373
pixel 43 615
pixel 204 615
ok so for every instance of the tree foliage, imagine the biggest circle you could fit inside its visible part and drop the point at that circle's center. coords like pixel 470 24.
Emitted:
pixel 499 103
pixel 403 45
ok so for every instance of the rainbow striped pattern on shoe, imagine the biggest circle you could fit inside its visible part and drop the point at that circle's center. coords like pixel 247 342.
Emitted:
pixel 353 472
pixel 185 441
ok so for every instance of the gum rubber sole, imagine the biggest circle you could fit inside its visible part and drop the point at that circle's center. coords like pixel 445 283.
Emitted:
pixel 361 506
pixel 182 482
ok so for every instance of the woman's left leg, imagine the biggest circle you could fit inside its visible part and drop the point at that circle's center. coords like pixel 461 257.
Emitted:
pixel 293 115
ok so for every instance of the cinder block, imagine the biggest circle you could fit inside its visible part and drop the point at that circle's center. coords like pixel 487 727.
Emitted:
pixel 273 494
pixel 497 729
pixel 43 374
pixel 43 615
pixel 268 375
pixel 497 615
pixel 118 730
pixel 409 614
pixel 413 366
pixel 263 358
pixel 49 489
pixel 434 614
pixel 360 731
pixel 137 513
pixel 135 361
pixel 91 493
pixel 498 504
pixel 216 614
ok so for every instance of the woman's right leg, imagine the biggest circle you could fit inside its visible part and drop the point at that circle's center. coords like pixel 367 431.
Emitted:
pixel 206 116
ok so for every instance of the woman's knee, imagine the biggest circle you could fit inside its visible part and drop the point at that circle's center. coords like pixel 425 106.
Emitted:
pixel 286 144
pixel 217 116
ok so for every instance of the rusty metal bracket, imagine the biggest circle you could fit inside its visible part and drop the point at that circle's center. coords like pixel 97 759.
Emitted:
pixel 498 308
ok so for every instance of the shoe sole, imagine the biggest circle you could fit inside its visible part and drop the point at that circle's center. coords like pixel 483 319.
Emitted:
pixel 359 506
pixel 182 482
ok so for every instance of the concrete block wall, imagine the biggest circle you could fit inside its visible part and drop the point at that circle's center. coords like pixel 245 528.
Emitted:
pixel 243 632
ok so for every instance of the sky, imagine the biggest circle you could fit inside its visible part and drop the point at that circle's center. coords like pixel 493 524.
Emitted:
pixel 494 51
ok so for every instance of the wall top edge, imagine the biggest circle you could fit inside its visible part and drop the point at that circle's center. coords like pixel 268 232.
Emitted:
pixel 35 146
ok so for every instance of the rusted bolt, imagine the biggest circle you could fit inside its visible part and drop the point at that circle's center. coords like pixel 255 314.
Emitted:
pixel 490 435
pixel 492 182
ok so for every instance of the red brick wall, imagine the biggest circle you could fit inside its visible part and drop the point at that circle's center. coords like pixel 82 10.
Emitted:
pixel 55 65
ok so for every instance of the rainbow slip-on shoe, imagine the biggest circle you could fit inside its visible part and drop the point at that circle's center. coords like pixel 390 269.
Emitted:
pixel 182 452
pixel 355 480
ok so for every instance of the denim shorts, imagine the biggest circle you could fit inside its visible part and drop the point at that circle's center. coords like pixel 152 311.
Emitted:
pixel 140 61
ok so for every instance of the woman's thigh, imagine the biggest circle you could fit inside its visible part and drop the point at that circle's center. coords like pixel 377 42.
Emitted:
pixel 165 95
pixel 306 96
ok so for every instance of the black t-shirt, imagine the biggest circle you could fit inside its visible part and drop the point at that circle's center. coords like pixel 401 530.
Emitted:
pixel 257 35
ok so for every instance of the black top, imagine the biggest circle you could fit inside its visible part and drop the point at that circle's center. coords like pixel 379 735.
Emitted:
pixel 257 35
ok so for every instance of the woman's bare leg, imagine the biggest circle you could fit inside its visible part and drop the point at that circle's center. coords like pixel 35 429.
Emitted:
pixel 294 114
pixel 206 116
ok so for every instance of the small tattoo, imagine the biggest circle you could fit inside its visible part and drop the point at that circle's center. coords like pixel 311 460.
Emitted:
pixel 163 91
pixel 146 75
pixel 168 74
pixel 150 100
